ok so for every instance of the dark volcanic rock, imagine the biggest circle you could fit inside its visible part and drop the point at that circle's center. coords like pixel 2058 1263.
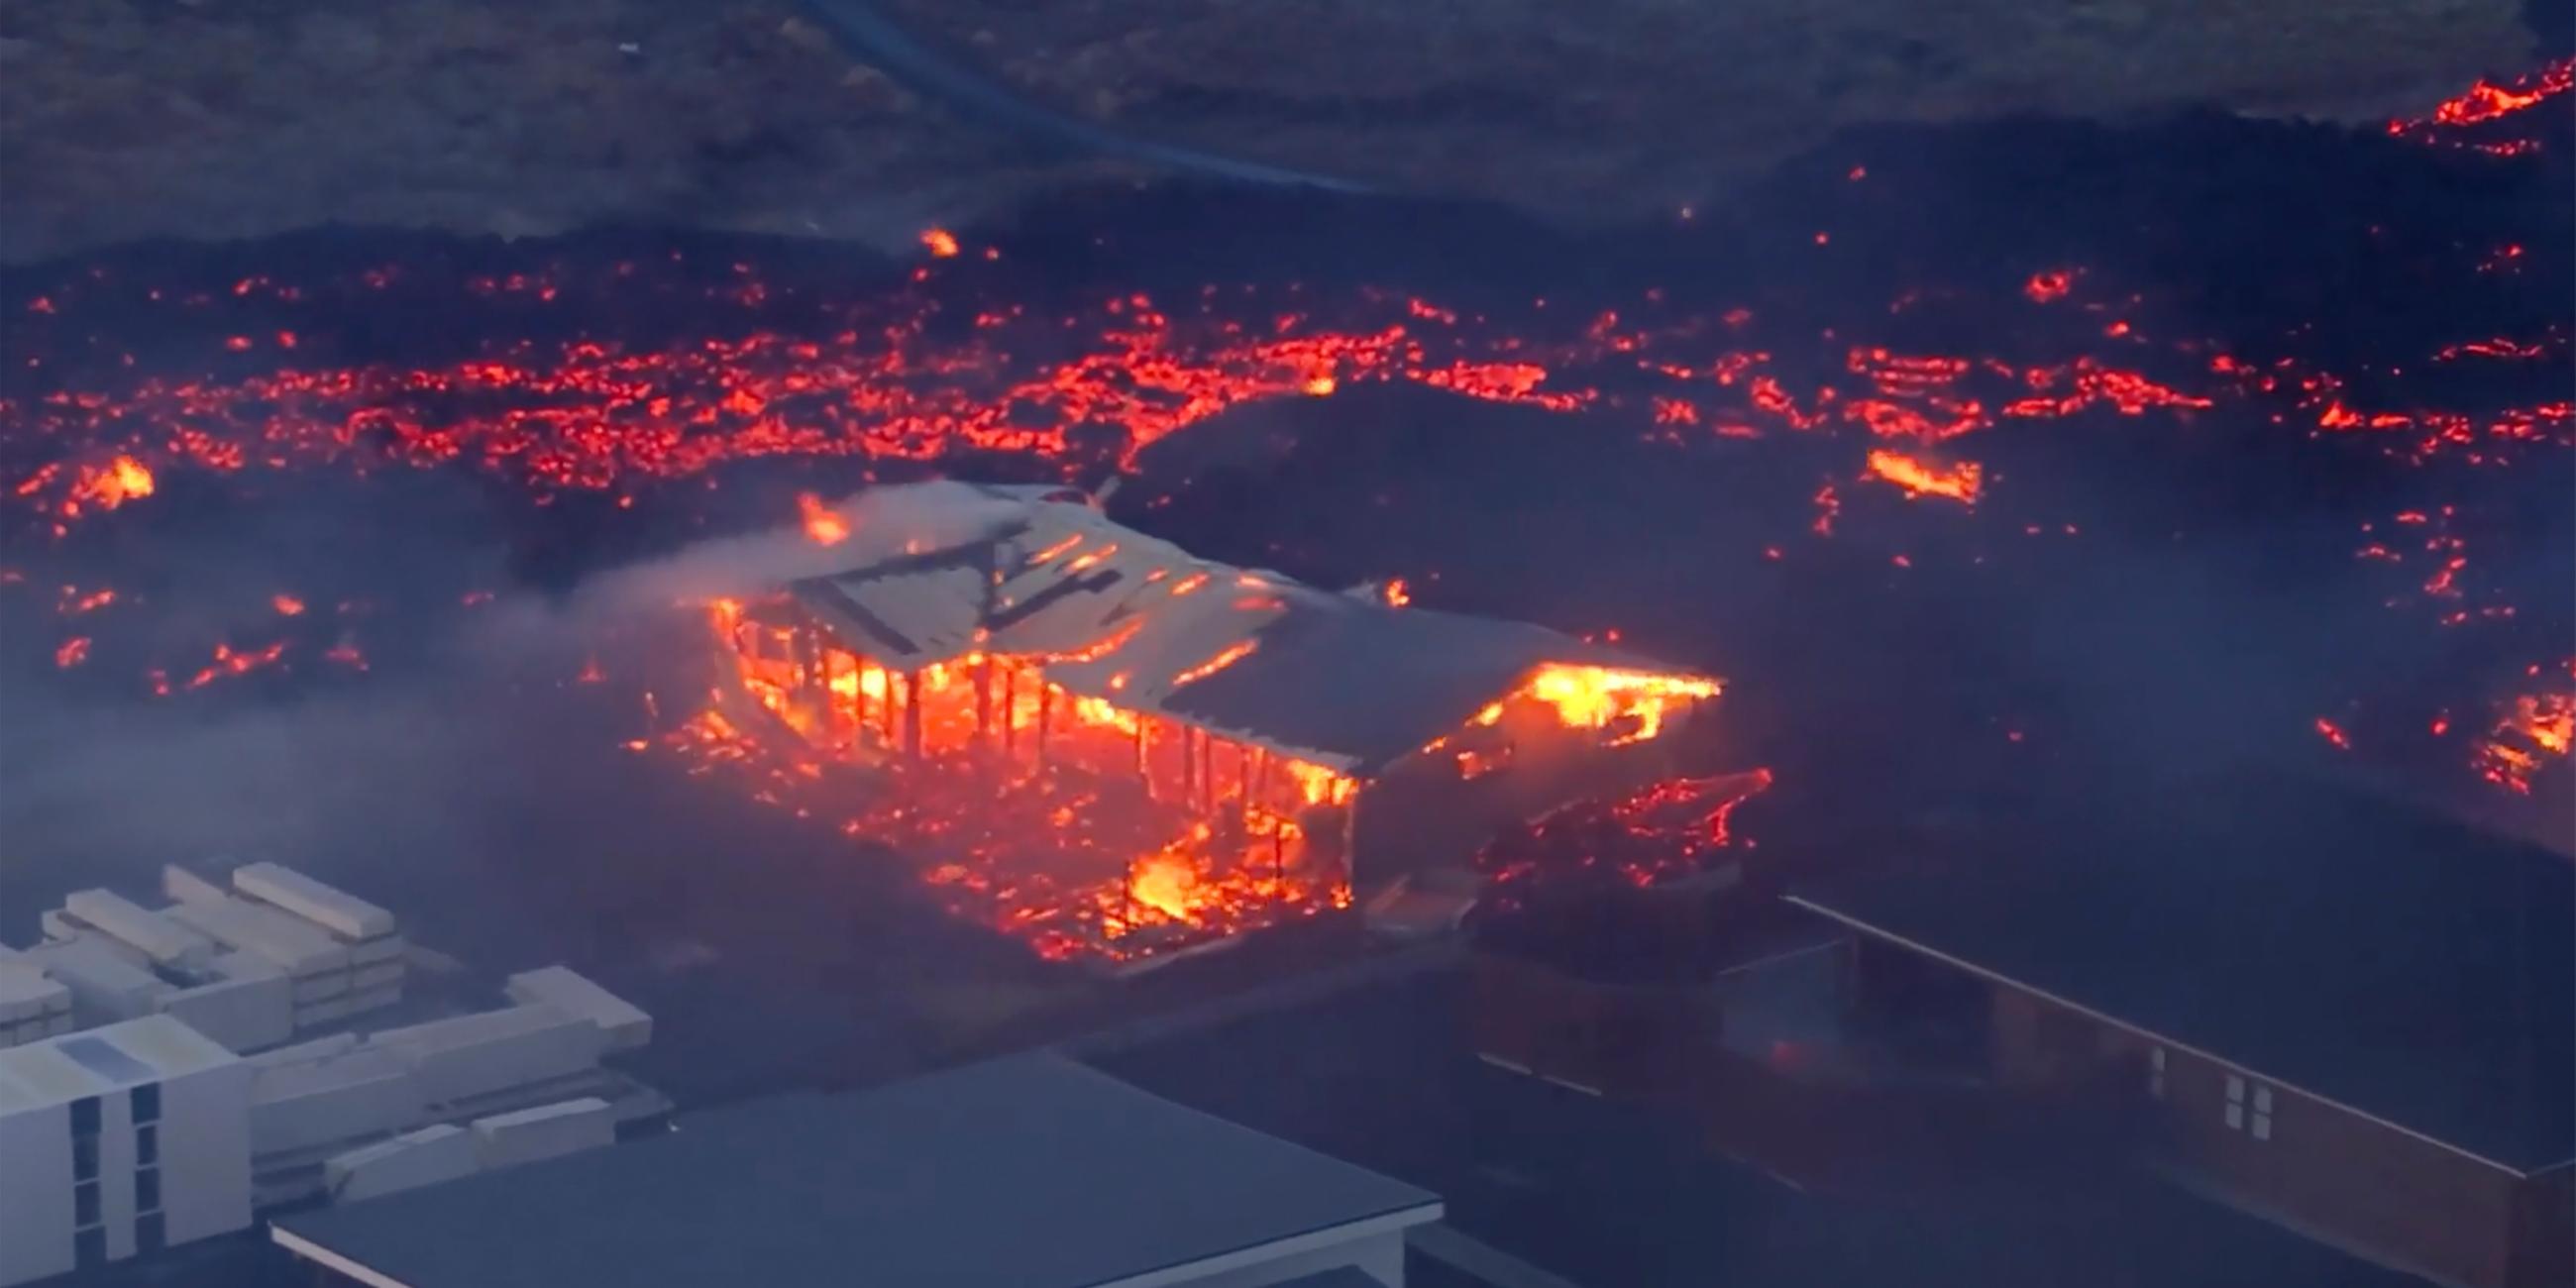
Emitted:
pixel 131 118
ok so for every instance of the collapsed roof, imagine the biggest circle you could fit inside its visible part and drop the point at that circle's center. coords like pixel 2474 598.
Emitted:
pixel 1341 680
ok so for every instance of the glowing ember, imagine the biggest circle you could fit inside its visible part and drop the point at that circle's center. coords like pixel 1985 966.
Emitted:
pixel 1659 833
pixel 2333 733
pixel 73 652
pixel 941 243
pixel 230 662
pixel 1396 593
pixel 287 605
pixel 1231 654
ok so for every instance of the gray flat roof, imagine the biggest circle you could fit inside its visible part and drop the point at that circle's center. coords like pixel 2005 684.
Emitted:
pixel 2358 949
pixel 1028 1172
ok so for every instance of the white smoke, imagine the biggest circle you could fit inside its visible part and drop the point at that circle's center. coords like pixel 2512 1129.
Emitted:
pixel 882 523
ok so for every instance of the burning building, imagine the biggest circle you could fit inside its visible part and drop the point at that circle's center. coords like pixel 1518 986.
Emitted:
pixel 1112 748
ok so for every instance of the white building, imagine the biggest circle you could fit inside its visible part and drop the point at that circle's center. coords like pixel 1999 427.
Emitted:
pixel 116 1141
pixel 165 1071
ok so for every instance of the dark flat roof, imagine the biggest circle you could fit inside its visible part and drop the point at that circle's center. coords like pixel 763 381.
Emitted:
pixel 1337 1277
pixel 2398 962
pixel 1029 1172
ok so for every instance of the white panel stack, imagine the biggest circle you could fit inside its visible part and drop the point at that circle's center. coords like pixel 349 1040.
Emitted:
pixel 161 940
pixel 352 1096
pixel 494 1051
pixel 626 1025
pixel 547 1131
pixel 316 966
pixel 32 1006
pixel 369 933
pixel 430 1156
pixel 107 985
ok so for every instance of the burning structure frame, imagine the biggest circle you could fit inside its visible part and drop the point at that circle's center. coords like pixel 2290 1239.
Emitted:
pixel 1113 749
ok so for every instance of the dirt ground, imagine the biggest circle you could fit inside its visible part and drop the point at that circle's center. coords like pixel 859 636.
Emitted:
pixel 125 119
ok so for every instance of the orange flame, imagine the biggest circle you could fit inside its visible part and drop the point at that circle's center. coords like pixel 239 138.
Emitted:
pixel 823 526
pixel 941 243
pixel 1594 697
pixel 119 481
pixel 1166 883
pixel 1081 827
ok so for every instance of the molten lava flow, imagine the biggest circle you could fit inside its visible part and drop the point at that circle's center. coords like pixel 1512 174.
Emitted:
pixel 586 415
pixel 2466 122
pixel 939 371
pixel 2487 101
pixel 1923 478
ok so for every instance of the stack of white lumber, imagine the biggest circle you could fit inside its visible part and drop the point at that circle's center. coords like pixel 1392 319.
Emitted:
pixel 33 1005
